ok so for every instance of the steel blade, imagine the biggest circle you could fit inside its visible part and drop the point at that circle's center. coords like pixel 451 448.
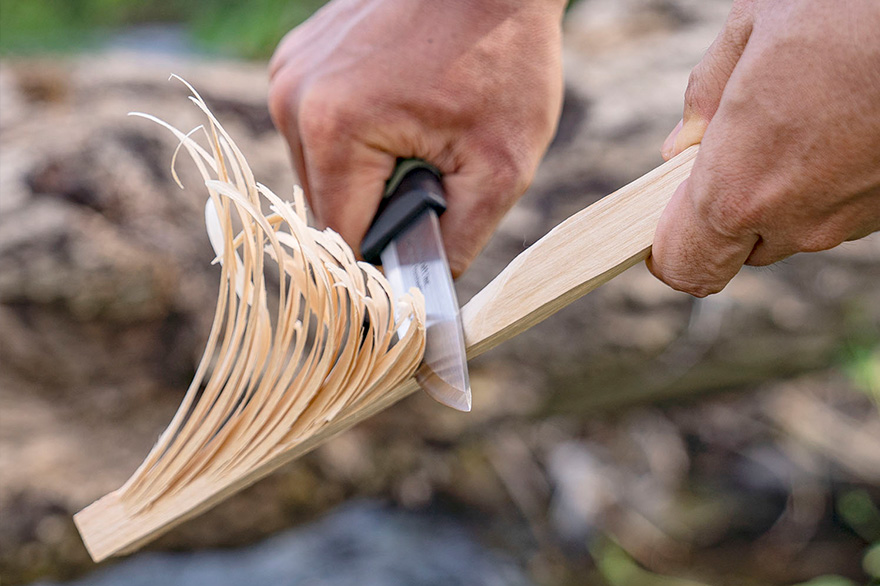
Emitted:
pixel 416 258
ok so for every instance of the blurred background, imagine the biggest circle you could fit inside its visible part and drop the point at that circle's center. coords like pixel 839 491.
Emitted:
pixel 640 437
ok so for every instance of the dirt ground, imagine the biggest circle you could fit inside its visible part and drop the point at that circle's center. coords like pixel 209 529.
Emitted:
pixel 637 433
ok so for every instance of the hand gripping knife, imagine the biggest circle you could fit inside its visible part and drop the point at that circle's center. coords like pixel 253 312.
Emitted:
pixel 405 238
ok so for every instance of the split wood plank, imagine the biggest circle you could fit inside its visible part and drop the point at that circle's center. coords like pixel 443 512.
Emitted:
pixel 580 254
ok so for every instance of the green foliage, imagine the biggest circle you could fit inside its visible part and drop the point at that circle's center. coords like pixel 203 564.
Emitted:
pixel 857 509
pixel 862 365
pixel 860 357
pixel 619 569
pixel 861 514
pixel 247 29
pixel 871 561
pixel 250 29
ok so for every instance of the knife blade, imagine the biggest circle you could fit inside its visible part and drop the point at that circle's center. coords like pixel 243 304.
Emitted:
pixel 405 238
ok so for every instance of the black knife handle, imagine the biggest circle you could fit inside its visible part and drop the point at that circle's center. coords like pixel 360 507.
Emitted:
pixel 414 186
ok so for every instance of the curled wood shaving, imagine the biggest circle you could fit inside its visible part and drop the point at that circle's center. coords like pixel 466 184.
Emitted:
pixel 269 380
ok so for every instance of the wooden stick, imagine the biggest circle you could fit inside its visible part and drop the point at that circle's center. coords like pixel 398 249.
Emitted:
pixel 583 252
pixel 586 250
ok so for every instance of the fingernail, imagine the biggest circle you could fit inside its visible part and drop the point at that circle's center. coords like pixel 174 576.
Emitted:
pixel 668 148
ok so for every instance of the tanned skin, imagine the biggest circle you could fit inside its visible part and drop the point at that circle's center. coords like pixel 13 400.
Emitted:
pixel 786 104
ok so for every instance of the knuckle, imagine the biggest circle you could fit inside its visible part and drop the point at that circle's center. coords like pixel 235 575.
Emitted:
pixel 279 57
pixel 506 178
pixel 703 92
pixel 823 238
pixel 280 101
pixel 698 101
pixel 728 200
pixel 322 116
pixel 508 175
pixel 732 212
pixel 694 92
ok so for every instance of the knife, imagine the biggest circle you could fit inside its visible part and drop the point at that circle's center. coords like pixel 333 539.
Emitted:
pixel 405 239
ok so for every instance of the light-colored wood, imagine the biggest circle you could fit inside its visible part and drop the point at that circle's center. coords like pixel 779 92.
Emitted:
pixel 588 249
pixel 577 256
pixel 109 528
pixel 271 384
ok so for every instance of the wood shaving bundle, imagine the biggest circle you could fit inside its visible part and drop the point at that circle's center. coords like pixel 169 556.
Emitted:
pixel 269 382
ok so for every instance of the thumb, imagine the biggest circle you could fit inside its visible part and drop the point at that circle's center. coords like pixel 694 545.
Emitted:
pixel 691 251
pixel 709 78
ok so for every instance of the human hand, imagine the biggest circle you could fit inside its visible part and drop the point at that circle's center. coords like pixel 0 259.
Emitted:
pixel 472 86
pixel 786 104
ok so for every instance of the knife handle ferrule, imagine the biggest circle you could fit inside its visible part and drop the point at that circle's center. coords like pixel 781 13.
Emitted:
pixel 414 187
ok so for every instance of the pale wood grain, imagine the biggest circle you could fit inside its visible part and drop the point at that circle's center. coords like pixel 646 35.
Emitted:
pixel 583 252
pixel 586 250
pixel 108 528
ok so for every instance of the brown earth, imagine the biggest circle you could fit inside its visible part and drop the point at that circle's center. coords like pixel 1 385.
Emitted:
pixel 106 295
